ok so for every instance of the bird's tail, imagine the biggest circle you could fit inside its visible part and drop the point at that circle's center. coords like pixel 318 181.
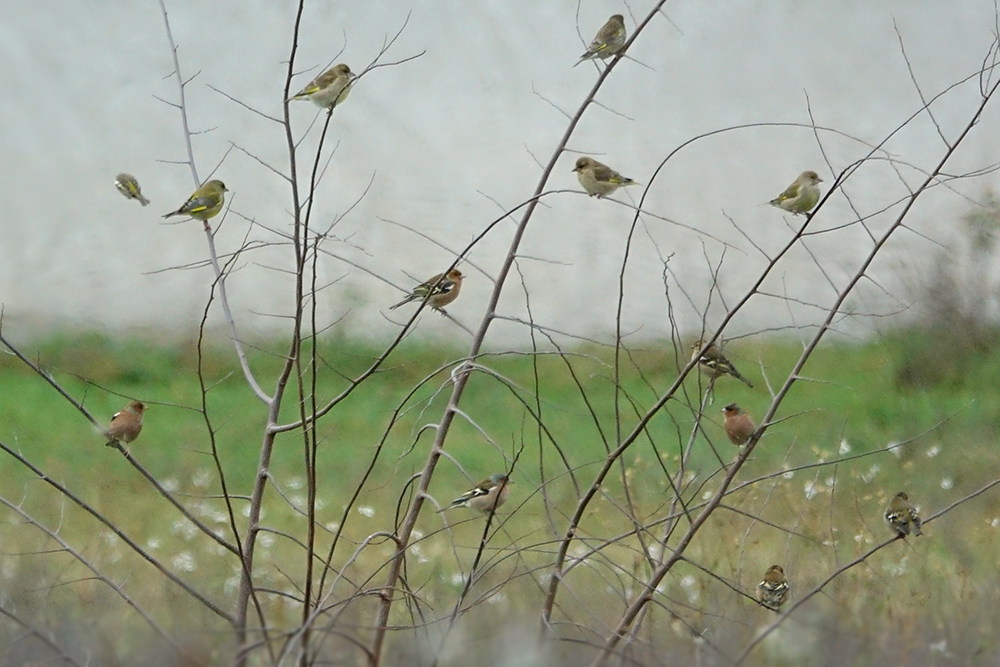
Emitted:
pixel 403 302
pixel 742 379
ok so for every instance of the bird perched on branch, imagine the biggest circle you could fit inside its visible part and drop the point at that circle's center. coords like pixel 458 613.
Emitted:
pixel 486 496
pixel 204 203
pixel 128 186
pixel 801 196
pixel 738 424
pixel 773 588
pixel 599 180
pixel 327 90
pixel 438 291
pixel 609 40
pixel 713 363
pixel 125 425
pixel 902 516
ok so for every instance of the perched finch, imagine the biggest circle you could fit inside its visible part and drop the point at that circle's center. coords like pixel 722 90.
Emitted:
pixel 773 588
pixel 486 496
pixel 328 89
pixel 438 291
pixel 204 203
pixel 901 515
pixel 739 425
pixel 599 180
pixel 126 425
pixel 128 186
pixel 609 40
pixel 801 196
pixel 714 364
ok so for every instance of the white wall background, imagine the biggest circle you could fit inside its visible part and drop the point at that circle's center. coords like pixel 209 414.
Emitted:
pixel 442 136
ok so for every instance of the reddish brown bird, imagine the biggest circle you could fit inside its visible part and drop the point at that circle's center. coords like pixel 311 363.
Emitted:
pixel 126 425
pixel 739 425
pixel 438 291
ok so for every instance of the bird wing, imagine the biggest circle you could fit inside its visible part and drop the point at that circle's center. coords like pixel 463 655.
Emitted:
pixel 791 192
pixel 198 204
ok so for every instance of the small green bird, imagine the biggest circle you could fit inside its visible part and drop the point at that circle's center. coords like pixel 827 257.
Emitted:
pixel 204 203
pixel 599 180
pixel 902 516
pixel 329 89
pixel 801 196
pixel 773 588
pixel 486 496
pixel 713 363
pixel 128 186
pixel 609 40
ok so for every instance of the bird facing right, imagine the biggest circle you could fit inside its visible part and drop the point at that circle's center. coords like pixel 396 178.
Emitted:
pixel 599 180
pixel 713 363
pixel 484 497
pixel 738 424
pixel 327 90
pixel 609 40
pixel 801 196
pixel 129 187
pixel 902 516
pixel 204 203
pixel 125 425
pixel 438 291
pixel 773 588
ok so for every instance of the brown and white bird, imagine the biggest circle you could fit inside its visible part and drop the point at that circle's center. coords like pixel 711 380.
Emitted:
pixel 125 425
pixel 902 516
pixel 486 496
pixel 801 196
pixel 329 89
pixel 713 363
pixel 438 291
pixel 609 40
pixel 129 186
pixel 738 424
pixel 599 180
pixel 773 588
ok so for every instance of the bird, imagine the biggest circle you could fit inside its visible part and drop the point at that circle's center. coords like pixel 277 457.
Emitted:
pixel 128 186
pixel 204 203
pixel 125 425
pixel 486 496
pixel 328 89
pixel 438 291
pixel 801 196
pixel 901 515
pixel 609 40
pixel 599 180
pixel 714 364
pixel 773 588
pixel 738 424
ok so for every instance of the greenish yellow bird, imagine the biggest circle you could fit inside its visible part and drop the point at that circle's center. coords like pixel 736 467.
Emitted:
pixel 599 180
pixel 329 89
pixel 801 196
pixel 902 516
pixel 205 202
pixel 609 40
pixel 128 186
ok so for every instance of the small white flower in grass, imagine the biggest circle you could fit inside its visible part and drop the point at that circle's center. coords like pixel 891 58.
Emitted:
pixel 109 538
pixel 494 599
pixel 231 585
pixel 298 501
pixel 897 568
pixel 184 561
pixel 152 544
pixel 366 510
pixel 417 535
pixel 947 483
pixel 845 447
pixel 184 528
pixel 894 447
pixel 201 478
pixel 933 451
pixel 296 483
pixel 457 579
pixel 266 540
pixel 170 484
pixel 810 490
pixel 333 526
pixel 939 647
pixel 994 523
pixel 869 476
pixel 707 495
pixel 320 504
pixel 688 583
pixel 246 512
pixel 788 474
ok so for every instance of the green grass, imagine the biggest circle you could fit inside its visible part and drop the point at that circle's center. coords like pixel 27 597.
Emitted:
pixel 849 401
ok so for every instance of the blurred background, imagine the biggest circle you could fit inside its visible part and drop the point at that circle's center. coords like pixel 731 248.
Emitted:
pixel 435 149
